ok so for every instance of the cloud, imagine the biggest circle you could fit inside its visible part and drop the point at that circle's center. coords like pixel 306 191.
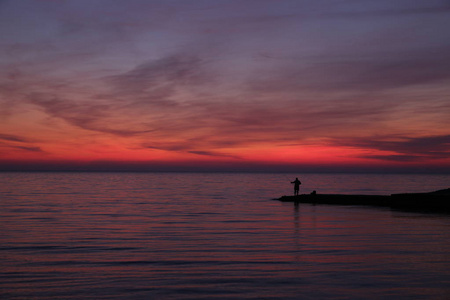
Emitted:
pixel 432 146
pixel 415 9
pixel 212 153
pixel 394 158
pixel 193 145
pixel 31 149
pixel 13 138
pixel 356 72
pixel 407 69
pixel 161 95
pixel 18 142
pixel 407 148
pixel 157 80
pixel 169 146
pixel 88 116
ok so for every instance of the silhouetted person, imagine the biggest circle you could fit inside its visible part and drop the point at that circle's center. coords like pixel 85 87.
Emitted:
pixel 296 183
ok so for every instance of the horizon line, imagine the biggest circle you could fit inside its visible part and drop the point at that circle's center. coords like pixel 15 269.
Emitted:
pixel 192 167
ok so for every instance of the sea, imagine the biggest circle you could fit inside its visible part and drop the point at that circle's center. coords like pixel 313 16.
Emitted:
pixel 216 236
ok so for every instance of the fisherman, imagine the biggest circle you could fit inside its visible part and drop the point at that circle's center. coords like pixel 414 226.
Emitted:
pixel 296 183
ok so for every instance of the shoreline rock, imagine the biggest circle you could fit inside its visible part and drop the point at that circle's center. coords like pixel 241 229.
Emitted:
pixel 437 201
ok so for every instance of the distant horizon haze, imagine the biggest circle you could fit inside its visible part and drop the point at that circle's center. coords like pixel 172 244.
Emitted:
pixel 213 167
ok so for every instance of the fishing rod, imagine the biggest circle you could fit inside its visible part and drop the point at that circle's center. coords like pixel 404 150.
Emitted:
pixel 285 176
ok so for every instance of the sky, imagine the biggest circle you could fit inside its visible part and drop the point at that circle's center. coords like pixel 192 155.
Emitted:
pixel 244 85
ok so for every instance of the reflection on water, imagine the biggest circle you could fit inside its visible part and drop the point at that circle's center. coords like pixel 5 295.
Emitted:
pixel 203 236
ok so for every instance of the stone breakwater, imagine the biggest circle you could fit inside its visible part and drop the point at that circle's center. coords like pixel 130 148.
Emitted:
pixel 438 201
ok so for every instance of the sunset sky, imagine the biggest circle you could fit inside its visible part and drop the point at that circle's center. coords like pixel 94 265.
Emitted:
pixel 295 85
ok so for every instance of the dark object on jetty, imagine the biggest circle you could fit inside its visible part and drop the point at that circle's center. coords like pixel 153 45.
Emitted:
pixel 438 201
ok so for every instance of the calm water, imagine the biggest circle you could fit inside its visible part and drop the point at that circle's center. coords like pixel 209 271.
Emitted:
pixel 215 236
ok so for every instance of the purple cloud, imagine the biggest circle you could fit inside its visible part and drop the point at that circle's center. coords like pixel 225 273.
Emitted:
pixel 13 138
pixel 31 149
pixel 158 79
pixel 408 148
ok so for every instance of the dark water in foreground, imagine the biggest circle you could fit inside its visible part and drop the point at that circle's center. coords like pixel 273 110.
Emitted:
pixel 215 236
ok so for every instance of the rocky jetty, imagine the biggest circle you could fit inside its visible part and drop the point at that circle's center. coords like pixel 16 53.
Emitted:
pixel 437 201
